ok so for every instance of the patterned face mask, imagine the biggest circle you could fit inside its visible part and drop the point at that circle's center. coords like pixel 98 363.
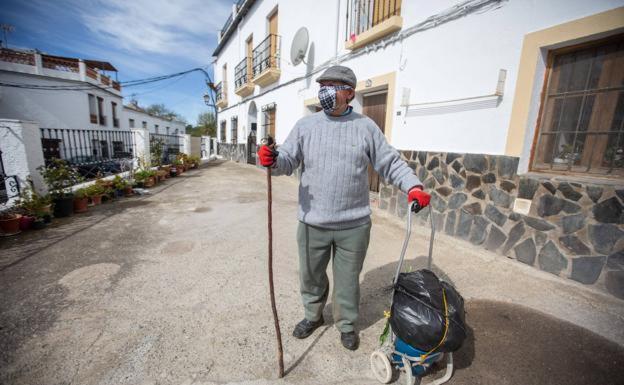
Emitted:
pixel 327 96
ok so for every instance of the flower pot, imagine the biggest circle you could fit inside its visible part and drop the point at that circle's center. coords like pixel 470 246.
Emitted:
pixel 26 222
pixel 96 200
pixel 64 207
pixel 119 193
pixel 47 209
pixel 80 204
pixel 173 171
pixel 128 191
pixel 39 224
pixel 149 182
pixel 10 224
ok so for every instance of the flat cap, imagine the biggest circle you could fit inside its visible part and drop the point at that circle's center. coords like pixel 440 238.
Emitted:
pixel 339 73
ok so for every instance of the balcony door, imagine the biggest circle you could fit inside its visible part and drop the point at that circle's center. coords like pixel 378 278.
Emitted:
pixel 273 34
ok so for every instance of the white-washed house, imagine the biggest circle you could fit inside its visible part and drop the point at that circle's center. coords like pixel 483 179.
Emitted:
pixel 510 112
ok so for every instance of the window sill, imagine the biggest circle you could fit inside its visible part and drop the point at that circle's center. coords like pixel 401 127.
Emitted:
pixel 222 103
pixel 393 24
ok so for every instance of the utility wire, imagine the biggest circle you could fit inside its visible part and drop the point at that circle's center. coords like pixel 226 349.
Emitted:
pixel 89 86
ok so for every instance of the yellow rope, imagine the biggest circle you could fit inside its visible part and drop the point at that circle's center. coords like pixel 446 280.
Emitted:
pixel 446 324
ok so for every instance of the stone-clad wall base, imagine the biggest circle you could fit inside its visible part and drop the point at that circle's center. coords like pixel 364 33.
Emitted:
pixel 573 230
pixel 235 152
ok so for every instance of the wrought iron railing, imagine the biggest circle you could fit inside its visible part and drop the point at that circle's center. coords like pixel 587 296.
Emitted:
pixel 266 54
pixel 220 91
pixel 242 72
pixel 164 148
pixel 227 24
pixel 92 152
pixel 362 15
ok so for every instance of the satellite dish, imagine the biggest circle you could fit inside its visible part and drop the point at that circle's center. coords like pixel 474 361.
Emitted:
pixel 299 46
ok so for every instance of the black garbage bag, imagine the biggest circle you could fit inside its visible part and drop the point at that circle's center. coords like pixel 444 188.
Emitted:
pixel 417 315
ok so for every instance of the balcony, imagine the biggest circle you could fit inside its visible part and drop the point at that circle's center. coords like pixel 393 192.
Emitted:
pixel 243 86
pixel 370 20
pixel 221 94
pixel 266 61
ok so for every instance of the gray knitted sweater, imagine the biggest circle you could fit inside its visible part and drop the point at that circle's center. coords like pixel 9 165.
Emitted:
pixel 334 153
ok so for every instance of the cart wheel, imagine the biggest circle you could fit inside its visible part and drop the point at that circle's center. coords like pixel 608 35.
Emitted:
pixel 380 365
pixel 410 379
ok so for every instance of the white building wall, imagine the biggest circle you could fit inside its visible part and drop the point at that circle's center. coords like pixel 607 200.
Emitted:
pixel 457 59
pixel 53 109
pixel 140 117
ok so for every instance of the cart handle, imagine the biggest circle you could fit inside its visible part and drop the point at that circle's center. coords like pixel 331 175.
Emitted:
pixel 414 206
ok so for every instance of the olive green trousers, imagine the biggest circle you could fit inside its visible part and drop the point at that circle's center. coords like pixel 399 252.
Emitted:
pixel 347 250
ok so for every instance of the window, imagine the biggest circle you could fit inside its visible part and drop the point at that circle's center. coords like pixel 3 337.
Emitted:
pixel 156 128
pixel 93 117
pixel 118 149
pixel 114 109
pixel 144 124
pixel 582 115
pixel 234 130
pixel 131 123
pixel 167 130
pixel 222 131
pixel 100 107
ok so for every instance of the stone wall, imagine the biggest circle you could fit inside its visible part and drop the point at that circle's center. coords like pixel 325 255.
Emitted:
pixel 235 152
pixel 573 230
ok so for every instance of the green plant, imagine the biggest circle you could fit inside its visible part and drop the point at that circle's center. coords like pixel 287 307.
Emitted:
pixel 81 193
pixel 119 183
pixel 59 176
pixel 142 175
pixel 31 202
pixel 156 150
pixel 96 189
pixel 193 159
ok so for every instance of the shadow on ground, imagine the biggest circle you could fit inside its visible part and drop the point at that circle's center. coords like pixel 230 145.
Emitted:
pixel 508 343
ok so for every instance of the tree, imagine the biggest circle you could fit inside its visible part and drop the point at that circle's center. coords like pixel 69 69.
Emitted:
pixel 208 121
pixel 162 111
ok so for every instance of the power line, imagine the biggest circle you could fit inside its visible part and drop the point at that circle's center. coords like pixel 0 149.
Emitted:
pixel 89 86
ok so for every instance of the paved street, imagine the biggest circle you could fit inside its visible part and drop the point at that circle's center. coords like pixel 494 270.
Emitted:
pixel 171 288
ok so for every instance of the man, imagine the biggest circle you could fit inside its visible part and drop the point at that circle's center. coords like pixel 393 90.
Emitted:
pixel 334 148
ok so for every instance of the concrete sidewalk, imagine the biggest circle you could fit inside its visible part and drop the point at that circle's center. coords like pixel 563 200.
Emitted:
pixel 172 288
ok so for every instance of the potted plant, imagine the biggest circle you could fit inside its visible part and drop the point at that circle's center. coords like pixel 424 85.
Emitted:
pixel 59 176
pixel 30 202
pixel 145 178
pixel 10 223
pixel 95 193
pixel 81 200
pixel 194 161
pixel 119 184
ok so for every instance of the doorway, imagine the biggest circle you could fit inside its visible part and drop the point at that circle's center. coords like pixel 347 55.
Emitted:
pixel 374 106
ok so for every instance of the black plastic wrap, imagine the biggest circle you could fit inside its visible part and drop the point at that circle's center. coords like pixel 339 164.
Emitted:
pixel 417 315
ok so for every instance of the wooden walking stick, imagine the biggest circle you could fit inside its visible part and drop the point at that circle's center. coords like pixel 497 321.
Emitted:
pixel 268 141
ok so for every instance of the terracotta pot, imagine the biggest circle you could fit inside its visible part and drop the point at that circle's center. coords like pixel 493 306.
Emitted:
pixel 26 222
pixel 149 182
pixel 80 204
pixel 128 191
pixel 47 209
pixel 11 224
pixel 96 200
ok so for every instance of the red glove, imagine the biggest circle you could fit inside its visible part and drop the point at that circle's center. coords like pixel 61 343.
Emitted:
pixel 418 195
pixel 267 156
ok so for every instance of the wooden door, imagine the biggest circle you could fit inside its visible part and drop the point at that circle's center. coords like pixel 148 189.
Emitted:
pixel 375 108
pixel 273 38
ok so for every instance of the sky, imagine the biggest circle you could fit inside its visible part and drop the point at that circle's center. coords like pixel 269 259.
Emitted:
pixel 141 38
